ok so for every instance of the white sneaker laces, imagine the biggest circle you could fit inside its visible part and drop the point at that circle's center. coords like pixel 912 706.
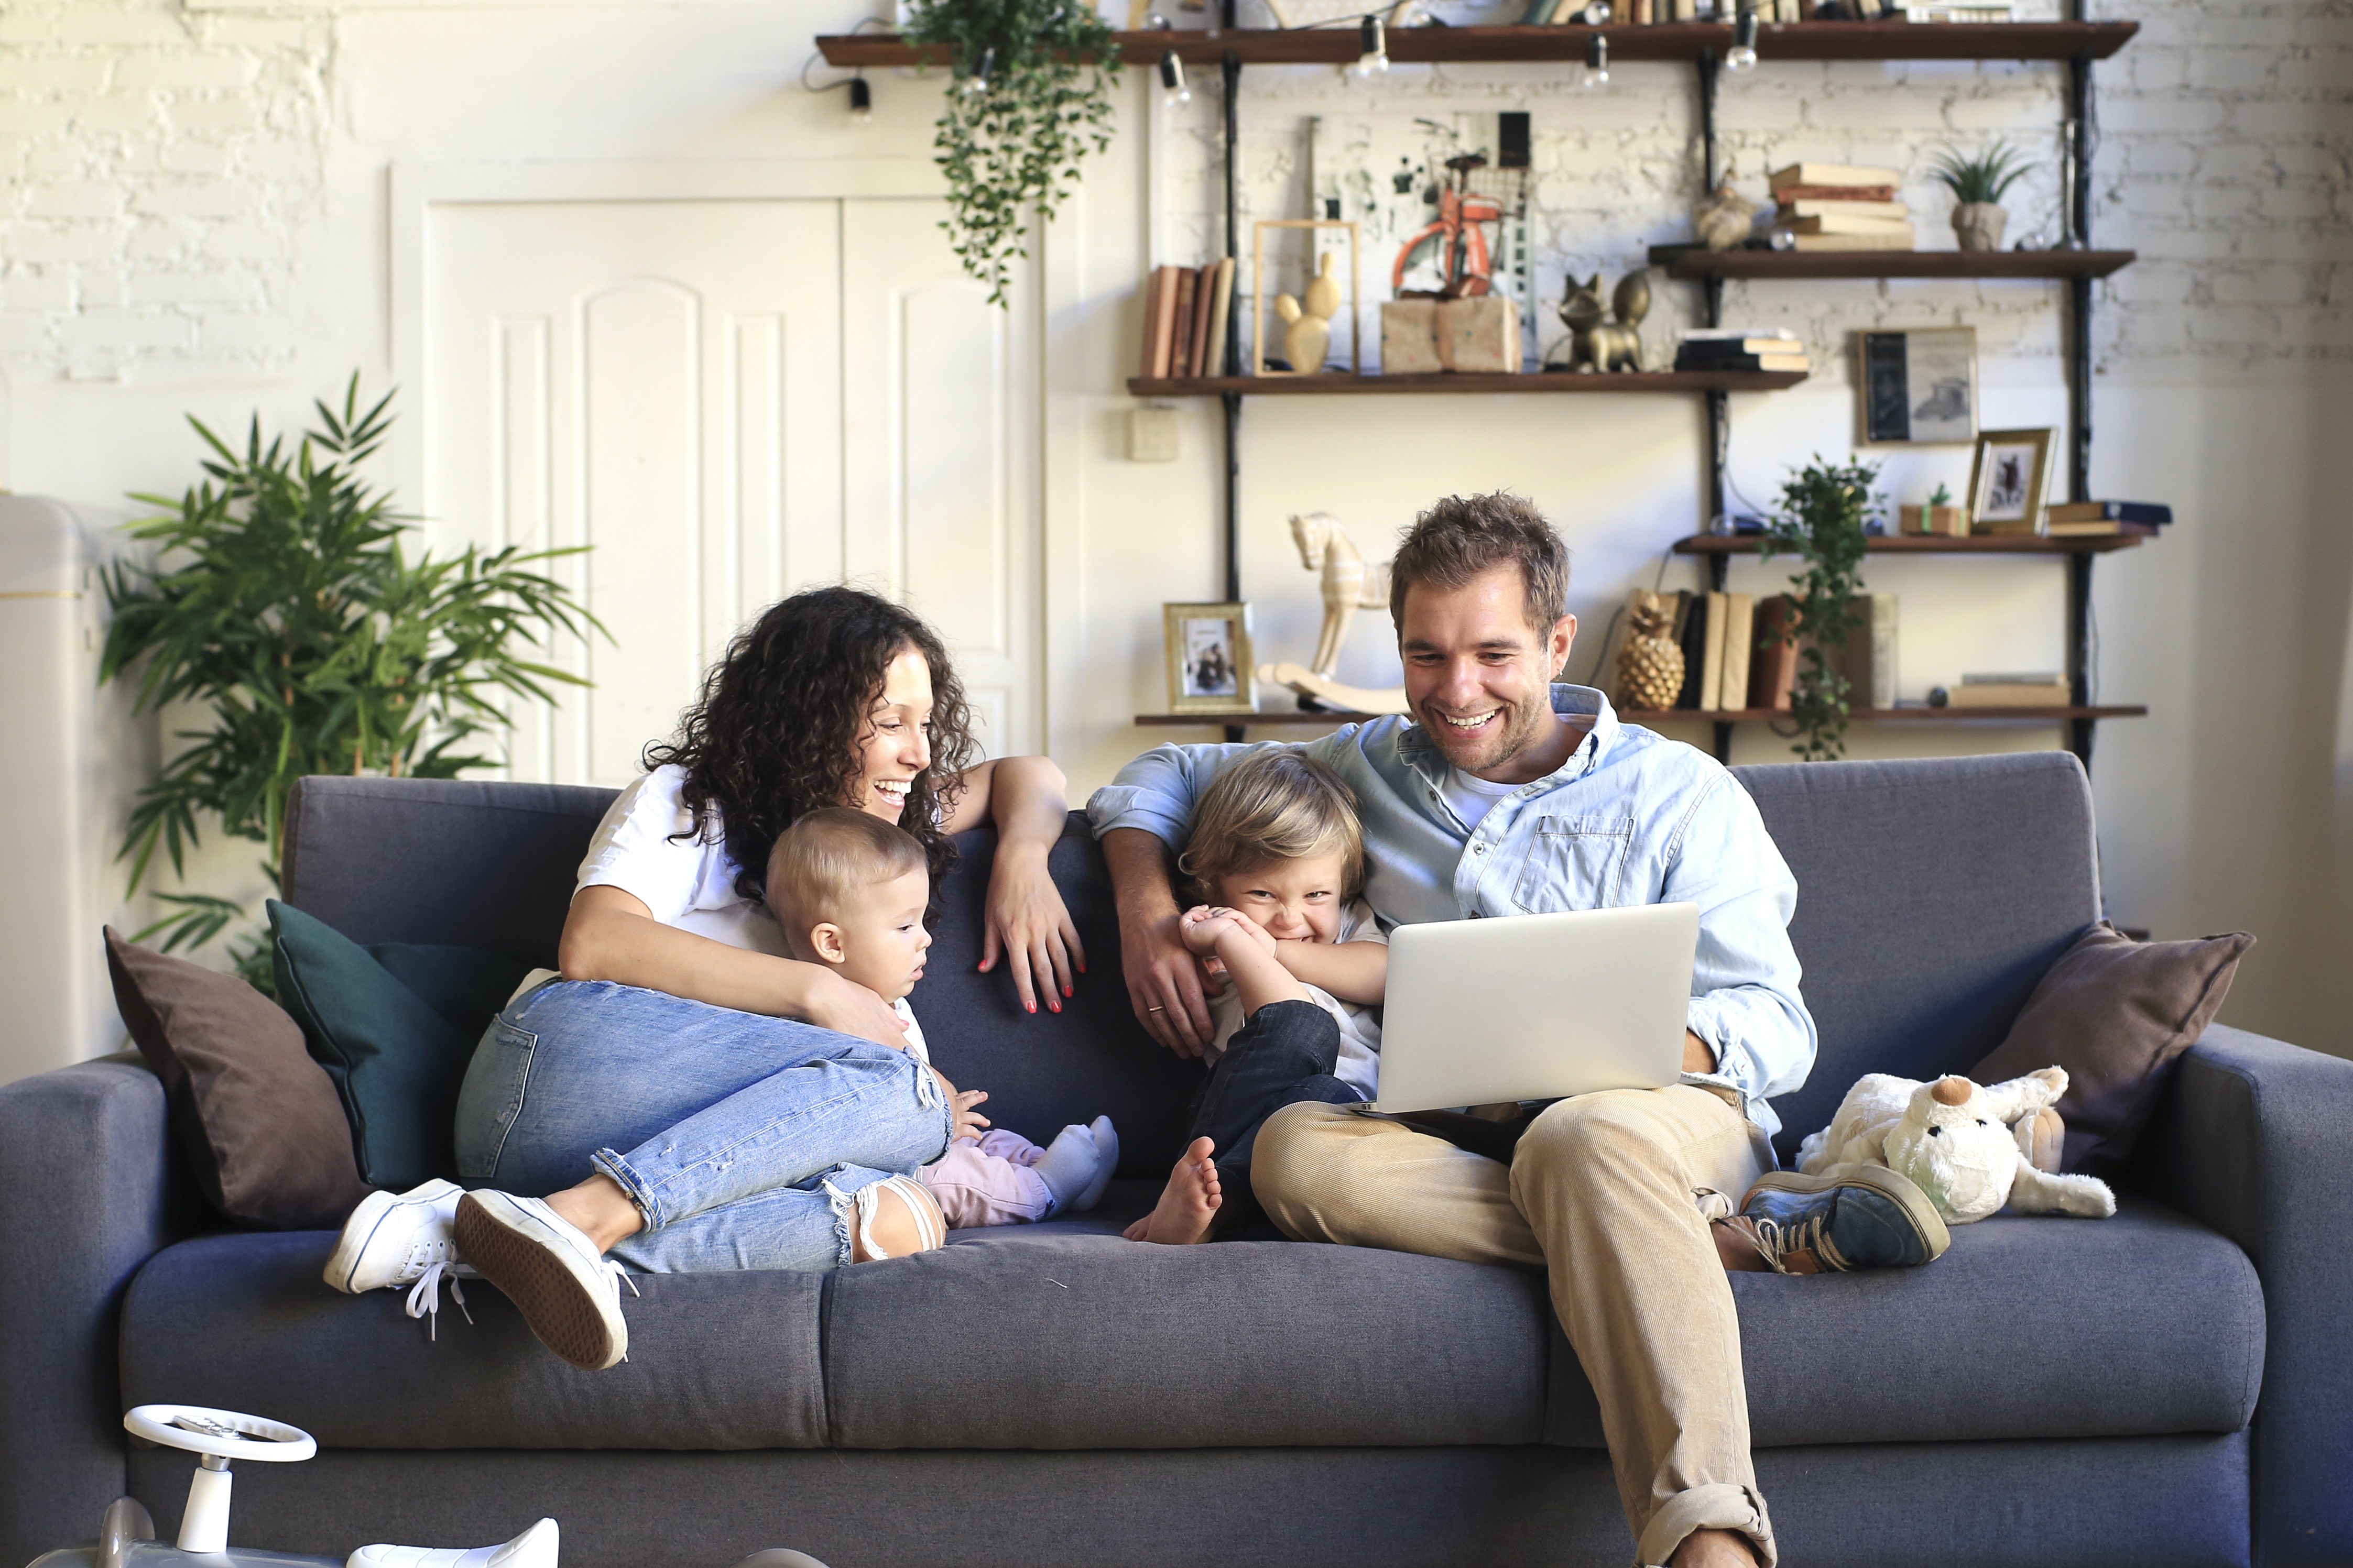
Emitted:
pixel 429 1264
pixel 1777 1241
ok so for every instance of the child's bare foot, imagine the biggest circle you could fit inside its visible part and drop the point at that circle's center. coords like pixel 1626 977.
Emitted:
pixel 1187 1204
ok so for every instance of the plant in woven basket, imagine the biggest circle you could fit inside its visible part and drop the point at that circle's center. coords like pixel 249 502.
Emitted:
pixel 284 606
pixel 1030 95
pixel 1823 509
pixel 1650 665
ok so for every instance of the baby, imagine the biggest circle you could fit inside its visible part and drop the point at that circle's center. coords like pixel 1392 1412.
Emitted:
pixel 1280 860
pixel 849 890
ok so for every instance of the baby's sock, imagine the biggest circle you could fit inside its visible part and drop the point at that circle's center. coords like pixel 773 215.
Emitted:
pixel 1106 1162
pixel 1067 1166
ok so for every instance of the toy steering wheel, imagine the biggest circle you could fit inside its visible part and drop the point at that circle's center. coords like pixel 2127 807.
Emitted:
pixel 217 1436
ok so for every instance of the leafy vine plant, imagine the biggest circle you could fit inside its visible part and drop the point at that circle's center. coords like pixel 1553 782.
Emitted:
pixel 283 610
pixel 1030 95
pixel 1821 520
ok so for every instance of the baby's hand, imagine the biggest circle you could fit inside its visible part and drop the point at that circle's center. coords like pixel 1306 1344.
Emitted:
pixel 964 1122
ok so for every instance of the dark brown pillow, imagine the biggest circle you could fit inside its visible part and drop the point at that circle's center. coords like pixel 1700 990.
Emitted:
pixel 256 1116
pixel 2116 1012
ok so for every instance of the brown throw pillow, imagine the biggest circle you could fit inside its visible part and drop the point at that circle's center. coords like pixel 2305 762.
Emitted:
pixel 2116 1012
pixel 256 1116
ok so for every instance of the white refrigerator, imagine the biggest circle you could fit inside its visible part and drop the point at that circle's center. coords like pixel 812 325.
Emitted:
pixel 76 760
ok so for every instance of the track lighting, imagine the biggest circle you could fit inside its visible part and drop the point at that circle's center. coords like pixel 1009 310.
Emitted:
pixel 1371 46
pixel 1596 73
pixel 978 82
pixel 1742 55
pixel 1174 88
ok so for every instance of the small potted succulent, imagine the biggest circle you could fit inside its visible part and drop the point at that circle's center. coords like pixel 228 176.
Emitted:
pixel 1938 516
pixel 1978 184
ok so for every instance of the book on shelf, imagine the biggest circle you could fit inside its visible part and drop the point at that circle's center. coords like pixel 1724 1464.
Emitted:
pixel 1180 336
pixel 1918 13
pixel 1891 241
pixel 1710 655
pixel 1836 224
pixel 1980 692
pixel 2109 512
pixel 1739 639
pixel 2101 530
pixel 1753 339
pixel 1868 661
pixel 1691 633
pixel 1889 212
pixel 1221 301
pixel 1773 663
pixel 1159 320
pixel 1873 194
pixel 1775 362
pixel 1833 174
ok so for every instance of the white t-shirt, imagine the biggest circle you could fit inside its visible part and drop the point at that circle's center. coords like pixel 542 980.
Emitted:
pixel 1472 798
pixel 1360 1027
pixel 688 883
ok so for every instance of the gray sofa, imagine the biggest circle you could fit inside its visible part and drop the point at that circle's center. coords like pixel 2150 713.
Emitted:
pixel 2170 1386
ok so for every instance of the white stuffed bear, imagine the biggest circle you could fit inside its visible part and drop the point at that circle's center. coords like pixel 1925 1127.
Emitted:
pixel 1971 1150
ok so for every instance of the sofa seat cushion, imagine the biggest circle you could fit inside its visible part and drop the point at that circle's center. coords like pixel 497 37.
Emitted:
pixel 2029 1326
pixel 243 1321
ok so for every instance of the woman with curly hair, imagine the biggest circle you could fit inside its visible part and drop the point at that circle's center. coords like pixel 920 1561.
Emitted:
pixel 770 1119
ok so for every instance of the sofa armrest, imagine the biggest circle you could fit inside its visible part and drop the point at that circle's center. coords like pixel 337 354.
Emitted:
pixel 2254 1137
pixel 92 1191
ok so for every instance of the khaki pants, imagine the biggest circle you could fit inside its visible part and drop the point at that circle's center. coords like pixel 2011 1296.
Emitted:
pixel 1611 1193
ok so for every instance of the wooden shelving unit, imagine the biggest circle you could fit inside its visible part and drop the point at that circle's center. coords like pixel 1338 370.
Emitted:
pixel 1694 265
pixel 1529 382
pixel 1680 41
pixel 1933 544
pixel 1252 720
pixel 1655 716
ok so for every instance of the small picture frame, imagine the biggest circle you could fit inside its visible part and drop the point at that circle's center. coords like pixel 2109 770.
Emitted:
pixel 1919 386
pixel 2007 480
pixel 1209 659
pixel 1262 303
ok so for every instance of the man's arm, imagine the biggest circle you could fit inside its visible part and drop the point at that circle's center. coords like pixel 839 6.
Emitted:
pixel 1163 980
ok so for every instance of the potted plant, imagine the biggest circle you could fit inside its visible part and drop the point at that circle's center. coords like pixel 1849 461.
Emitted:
pixel 1938 516
pixel 284 606
pixel 1030 95
pixel 1824 510
pixel 1977 185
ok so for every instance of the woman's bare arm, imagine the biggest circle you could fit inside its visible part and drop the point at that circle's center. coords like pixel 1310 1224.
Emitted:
pixel 1027 920
pixel 1352 971
pixel 610 934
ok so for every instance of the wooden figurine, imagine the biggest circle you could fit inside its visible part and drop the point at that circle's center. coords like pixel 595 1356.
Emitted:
pixel 1349 583
pixel 1595 344
pixel 1307 335
pixel 1723 221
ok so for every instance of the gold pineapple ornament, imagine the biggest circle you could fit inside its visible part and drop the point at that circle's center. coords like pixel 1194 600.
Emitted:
pixel 1650 666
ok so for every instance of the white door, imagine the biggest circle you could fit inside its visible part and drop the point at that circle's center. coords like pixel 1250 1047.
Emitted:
pixel 666 382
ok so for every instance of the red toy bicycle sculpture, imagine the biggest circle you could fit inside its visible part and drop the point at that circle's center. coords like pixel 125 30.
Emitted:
pixel 1461 243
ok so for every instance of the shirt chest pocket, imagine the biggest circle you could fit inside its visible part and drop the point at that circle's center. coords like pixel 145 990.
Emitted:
pixel 1575 863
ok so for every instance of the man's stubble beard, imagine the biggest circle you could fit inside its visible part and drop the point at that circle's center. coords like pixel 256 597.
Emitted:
pixel 1524 725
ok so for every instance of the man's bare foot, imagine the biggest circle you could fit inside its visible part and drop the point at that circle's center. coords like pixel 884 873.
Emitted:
pixel 1187 1204
pixel 1713 1548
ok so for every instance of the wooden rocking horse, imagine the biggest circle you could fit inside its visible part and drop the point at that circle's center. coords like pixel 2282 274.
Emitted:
pixel 1350 584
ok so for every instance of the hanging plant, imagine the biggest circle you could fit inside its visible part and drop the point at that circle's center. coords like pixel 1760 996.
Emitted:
pixel 1030 96
pixel 1823 509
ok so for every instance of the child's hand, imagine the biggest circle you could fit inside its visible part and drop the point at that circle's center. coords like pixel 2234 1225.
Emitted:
pixel 1241 925
pixel 1199 927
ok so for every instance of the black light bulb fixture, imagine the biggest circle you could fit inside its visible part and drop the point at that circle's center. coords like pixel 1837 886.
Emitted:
pixel 861 102
pixel 978 82
pixel 1742 54
pixel 1174 88
pixel 1371 46
pixel 1596 62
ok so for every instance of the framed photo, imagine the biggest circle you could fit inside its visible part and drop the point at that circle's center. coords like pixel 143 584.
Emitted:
pixel 1208 655
pixel 1920 386
pixel 2006 481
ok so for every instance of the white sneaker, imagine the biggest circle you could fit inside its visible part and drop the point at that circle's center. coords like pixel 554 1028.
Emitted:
pixel 566 1290
pixel 404 1239
pixel 534 1548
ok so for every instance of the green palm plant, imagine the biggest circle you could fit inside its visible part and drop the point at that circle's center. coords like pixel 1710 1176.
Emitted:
pixel 284 607
pixel 1984 178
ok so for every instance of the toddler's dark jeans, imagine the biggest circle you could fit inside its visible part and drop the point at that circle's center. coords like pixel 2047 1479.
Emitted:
pixel 1283 1054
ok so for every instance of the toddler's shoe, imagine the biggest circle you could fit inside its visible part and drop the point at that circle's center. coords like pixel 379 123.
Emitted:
pixel 534 1548
pixel 566 1290
pixel 1870 1219
pixel 403 1238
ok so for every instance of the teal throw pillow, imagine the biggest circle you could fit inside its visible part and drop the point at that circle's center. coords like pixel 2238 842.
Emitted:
pixel 395 1026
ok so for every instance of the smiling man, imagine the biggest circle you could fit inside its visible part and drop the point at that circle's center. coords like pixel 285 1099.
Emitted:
pixel 1506 794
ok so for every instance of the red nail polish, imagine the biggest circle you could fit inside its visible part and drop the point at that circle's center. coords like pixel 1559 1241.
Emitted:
pixel 1032 1006
pixel 1066 991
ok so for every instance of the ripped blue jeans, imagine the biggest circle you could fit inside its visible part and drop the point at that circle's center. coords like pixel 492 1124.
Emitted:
pixel 746 1136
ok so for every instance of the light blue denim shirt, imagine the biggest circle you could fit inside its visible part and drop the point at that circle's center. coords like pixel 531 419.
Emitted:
pixel 1630 818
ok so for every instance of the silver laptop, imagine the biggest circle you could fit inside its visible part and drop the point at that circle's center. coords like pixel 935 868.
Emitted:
pixel 1535 1006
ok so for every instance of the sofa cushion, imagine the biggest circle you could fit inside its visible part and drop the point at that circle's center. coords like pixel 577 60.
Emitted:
pixel 254 1117
pixel 2116 1012
pixel 244 1323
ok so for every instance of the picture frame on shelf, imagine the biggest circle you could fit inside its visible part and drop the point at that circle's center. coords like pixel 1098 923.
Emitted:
pixel 1211 664
pixel 2006 477
pixel 1918 386
pixel 1262 302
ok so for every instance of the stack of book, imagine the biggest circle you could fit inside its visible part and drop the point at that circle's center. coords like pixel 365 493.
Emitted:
pixel 1185 319
pixel 1741 348
pixel 2075 518
pixel 1841 206
pixel 2036 688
